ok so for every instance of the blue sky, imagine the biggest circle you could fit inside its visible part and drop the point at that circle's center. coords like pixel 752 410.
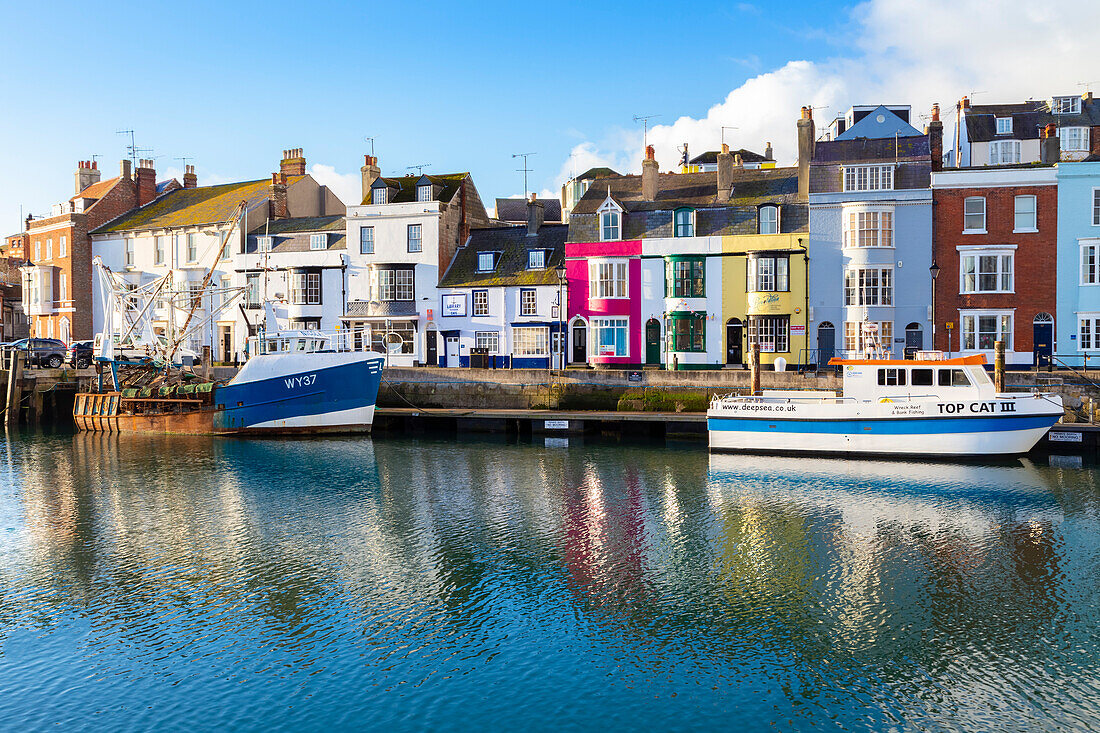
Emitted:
pixel 232 85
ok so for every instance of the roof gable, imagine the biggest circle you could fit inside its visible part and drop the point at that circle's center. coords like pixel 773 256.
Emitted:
pixel 879 123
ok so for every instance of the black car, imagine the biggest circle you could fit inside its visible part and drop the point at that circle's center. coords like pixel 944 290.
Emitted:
pixel 80 354
pixel 40 352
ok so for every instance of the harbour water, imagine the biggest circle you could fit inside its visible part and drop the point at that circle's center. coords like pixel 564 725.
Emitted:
pixel 400 583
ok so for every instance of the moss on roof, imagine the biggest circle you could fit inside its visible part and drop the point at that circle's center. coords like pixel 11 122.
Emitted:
pixel 334 223
pixel 406 187
pixel 512 244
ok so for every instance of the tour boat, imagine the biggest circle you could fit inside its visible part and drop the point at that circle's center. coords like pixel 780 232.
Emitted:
pixel 927 406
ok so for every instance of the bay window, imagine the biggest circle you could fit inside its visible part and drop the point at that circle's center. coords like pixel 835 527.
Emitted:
pixel 767 273
pixel 1004 152
pixel 531 341
pixel 395 284
pixel 1074 139
pixel 863 337
pixel 1088 331
pixel 607 279
pixel 772 333
pixel 687 332
pixel 869 286
pixel 685 278
pixel 305 288
pixel 610 336
pixel 1090 263
pixel 986 271
pixel 869 229
pixel 982 329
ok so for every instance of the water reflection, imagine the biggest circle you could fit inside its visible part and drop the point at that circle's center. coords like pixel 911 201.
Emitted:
pixel 600 584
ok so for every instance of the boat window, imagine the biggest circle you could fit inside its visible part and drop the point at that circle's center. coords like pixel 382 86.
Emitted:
pixel 891 377
pixel 272 346
pixel 300 344
pixel 921 378
pixel 953 378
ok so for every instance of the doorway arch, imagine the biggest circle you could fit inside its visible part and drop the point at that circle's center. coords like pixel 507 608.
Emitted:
pixel 578 341
pixel 1042 339
pixel 914 340
pixel 826 343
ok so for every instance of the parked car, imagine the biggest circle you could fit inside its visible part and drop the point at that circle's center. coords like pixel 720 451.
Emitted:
pixel 184 355
pixel 40 352
pixel 80 354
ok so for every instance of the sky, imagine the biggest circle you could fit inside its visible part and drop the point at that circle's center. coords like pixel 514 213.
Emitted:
pixel 229 86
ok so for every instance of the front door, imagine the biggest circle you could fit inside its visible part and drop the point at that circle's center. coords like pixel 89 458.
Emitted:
pixel 580 343
pixel 432 349
pixel 1043 339
pixel 452 351
pixel 914 341
pixel 734 349
pixel 652 342
pixel 826 343
pixel 226 339
pixel 557 349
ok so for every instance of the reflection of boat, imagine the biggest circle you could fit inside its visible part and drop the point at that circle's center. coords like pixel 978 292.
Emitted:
pixel 915 407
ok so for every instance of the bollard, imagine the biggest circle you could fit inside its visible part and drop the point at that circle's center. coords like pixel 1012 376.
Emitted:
pixel 754 368
pixel 15 388
pixel 999 366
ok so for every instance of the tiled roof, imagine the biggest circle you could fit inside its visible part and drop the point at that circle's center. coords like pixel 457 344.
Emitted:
pixel 193 206
pixel 870 126
pixel 406 187
pixel 96 190
pixel 711 157
pixel 165 186
pixel 695 190
pixel 879 149
pixel 301 224
pixel 1027 119
pixel 598 172
pixel 292 235
pixel 513 244
pixel 516 209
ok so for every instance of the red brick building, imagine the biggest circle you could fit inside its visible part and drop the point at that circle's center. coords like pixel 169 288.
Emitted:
pixel 994 239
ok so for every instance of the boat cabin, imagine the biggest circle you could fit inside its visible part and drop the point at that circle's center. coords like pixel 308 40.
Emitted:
pixel 283 342
pixel 961 378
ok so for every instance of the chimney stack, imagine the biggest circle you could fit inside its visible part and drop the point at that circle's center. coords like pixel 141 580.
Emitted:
pixel 278 196
pixel 87 173
pixel 935 138
pixel 725 173
pixel 371 172
pixel 146 182
pixel 768 151
pixel 805 151
pixel 1049 148
pixel 124 169
pixel 649 175
pixel 190 180
pixel 536 213
pixel 293 162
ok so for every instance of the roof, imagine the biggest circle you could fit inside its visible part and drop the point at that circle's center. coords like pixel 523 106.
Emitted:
pixel 96 190
pixel 751 186
pixel 193 206
pixel 292 235
pixel 406 187
pixel 880 122
pixel 598 172
pixel 334 223
pixel 845 151
pixel 711 157
pixel 516 209
pixel 1027 119
pixel 164 186
pixel 513 245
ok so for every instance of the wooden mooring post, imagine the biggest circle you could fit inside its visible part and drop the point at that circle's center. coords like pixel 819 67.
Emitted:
pixel 754 368
pixel 14 395
pixel 999 366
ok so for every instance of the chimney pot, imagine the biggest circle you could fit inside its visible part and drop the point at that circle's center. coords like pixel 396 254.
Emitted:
pixel 768 151
pixel 935 111
pixel 649 154
pixel 536 214
pixel 965 103
pixel 805 152
pixel 650 170
pixel 725 148
pixel 124 169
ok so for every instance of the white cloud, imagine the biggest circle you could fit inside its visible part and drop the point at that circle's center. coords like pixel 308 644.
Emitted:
pixel 904 54
pixel 349 186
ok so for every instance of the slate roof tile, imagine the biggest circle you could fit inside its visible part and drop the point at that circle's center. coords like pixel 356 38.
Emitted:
pixel 513 245
pixel 515 210
pixel 450 183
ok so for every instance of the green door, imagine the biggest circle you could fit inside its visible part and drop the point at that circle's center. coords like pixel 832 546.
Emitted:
pixel 652 342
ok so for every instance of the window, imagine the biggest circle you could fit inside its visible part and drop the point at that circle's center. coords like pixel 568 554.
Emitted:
pixel 196 295
pixel 687 332
pixel 395 284
pixel 869 178
pixel 1088 331
pixel 318 241
pixel 891 377
pixel 129 253
pixel 1074 138
pixel 952 378
pixel 424 193
pixel 536 259
pixel 768 220
pixel 225 245
pixel 771 332
pixel 366 241
pixel 63 246
pixel 158 251
pixel 531 341
pixel 766 274
pixel 414 238
pixel 1025 214
pixel 1096 207
pixel 685 278
pixel 986 271
pixel 481 302
pixel 869 229
pixel 869 286
pixel 62 286
pixel 1066 106
pixel 607 280
pixel 863 337
pixel 252 290
pixel 486 261
pixel 305 288
pixel 49 249
pixel 487 340
pixel 404 329
pixel 528 302
pixel 922 378
pixel 1004 152
pixel 981 330
pixel 37 251
pixel 378 195
pixel 974 215
pixel 192 247
pixel 609 226
pixel 263 244
pixel 684 223
pixel 610 336
pixel 1004 125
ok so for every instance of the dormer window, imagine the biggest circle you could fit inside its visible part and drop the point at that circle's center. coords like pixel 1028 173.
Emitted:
pixel 263 244
pixel 610 219
pixel 1004 125
pixel 536 259
pixel 318 241
pixel 424 192
pixel 684 223
pixel 768 220
pixel 1066 106
pixel 486 261
pixel 378 195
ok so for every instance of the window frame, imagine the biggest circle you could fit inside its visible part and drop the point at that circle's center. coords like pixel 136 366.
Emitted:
pixel 977 315
pixel 129 252
pixel 424 192
pixel 541 338
pixel 419 238
pixel 474 298
pixel 1093 319
pixel 492 344
pixel 366 240
pixel 1016 228
pixel 689 282
pixel 1084 265
pixel 1008 127
pixel 977 253
pixel 970 230
pixel 767 279
pixel 1082 133
pixel 597 284
pixel 388 284
pixel 885 337
pixel 774 209
pixel 528 302
pixel 868 227
pixel 305 287
pixel 858 286
pixel 860 177
pixel 610 232
pixel 997 149
pixel 62 246
pixel 379 194
pixel 611 323
pixel 493 258
pixel 687 333
pixel 316 239
pixel 777 326
pixel 683 228
pixel 541 256
pixel 1058 105
pixel 158 249
pixel 192 243
pixel 1096 206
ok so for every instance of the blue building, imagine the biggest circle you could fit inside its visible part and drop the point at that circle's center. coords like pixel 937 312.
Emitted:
pixel 871 237
pixel 1078 321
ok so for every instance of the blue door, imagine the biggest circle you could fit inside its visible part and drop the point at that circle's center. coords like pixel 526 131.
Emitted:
pixel 1042 335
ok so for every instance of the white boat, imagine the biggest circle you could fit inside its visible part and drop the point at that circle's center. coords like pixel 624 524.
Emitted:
pixel 928 406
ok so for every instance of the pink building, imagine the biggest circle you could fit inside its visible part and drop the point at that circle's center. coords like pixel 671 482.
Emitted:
pixel 605 302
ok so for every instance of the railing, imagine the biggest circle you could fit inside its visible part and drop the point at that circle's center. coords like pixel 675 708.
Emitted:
pixel 308 340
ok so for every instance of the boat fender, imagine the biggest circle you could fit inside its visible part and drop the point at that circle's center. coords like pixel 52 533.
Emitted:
pixel 886 399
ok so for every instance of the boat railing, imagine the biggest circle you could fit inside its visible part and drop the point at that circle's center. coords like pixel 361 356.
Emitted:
pixel 309 340
pixel 785 400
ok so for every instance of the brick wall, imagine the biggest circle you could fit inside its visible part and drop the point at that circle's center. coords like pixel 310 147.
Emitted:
pixel 452 230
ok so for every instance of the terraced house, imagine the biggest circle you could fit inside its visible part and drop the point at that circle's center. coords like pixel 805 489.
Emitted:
pixel 401 238
pixel 198 228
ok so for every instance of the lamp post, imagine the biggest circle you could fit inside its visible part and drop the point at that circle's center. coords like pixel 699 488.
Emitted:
pixel 934 271
pixel 560 272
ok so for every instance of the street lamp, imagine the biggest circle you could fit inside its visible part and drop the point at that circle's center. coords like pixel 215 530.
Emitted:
pixel 560 272
pixel 934 271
